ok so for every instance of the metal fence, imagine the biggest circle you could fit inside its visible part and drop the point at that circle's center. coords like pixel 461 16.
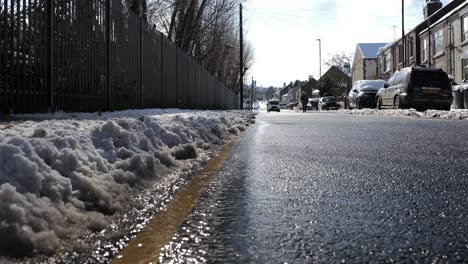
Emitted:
pixel 91 55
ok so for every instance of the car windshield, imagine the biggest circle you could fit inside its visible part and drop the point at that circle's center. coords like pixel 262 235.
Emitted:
pixel 371 85
pixel 431 79
pixel 328 99
pixel 274 102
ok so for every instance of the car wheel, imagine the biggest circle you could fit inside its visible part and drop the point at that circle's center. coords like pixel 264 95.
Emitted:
pixel 397 102
pixel 378 103
pixel 358 104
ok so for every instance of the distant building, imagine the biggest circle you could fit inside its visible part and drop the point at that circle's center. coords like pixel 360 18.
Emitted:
pixel 341 81
pixel 365 64
pixel 295 91
pixel 309 86
pixel 284 93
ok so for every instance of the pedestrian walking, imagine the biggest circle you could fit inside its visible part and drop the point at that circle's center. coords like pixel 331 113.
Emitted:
pixel 304 101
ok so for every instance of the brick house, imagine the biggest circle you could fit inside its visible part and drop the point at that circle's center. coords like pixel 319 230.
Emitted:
pixel 309 86
pixel 283 95
pixel 294 92
pixel 366 61
pixel 440 41
pixel 342 80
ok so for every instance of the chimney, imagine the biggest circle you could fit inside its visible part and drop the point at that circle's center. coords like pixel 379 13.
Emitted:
pixel 431 7
pixel 311 77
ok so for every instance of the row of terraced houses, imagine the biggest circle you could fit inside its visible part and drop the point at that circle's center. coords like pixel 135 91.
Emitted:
pixel 440 41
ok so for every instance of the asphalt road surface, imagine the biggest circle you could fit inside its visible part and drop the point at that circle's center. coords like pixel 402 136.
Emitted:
pixel 330 188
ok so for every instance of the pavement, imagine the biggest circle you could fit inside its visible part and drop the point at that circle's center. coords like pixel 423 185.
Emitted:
pixel 332 187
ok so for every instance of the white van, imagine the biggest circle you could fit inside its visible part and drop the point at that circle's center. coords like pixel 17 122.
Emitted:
pixel 273 105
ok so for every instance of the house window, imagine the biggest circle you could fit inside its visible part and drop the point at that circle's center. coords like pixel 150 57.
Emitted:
pixel 464 28
pixel 384 63
pixel 411 47
pixel 438 44
pixel 452 62
pixel 400 53
pixel 388 62
pixel 425 50
pixel 465 69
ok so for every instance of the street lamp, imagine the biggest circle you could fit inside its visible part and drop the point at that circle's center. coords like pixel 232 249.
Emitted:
pixel 403 31
pixel 320 58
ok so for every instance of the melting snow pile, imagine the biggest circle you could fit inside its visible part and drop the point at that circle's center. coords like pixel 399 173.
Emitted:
pixel 57 175
pixel 454 114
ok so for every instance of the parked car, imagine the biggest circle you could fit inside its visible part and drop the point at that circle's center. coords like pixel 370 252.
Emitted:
pixel 291 105
pixel 362 94
pixel 313 103
pixel 328 103
pixel 273 105
pixel 416 87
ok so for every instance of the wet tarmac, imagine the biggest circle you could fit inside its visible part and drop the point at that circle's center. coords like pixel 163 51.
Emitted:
pixel 329 188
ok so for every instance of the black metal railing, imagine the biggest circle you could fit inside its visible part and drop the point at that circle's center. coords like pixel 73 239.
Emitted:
pixel 95 55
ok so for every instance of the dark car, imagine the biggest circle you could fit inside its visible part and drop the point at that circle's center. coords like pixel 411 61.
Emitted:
pixel 362 94
pixel 327 103
pixel 416 87
pixel 313 103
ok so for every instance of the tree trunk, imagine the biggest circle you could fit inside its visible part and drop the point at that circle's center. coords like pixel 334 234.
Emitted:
pixel 173 18
pixel 187 24
pixel 180 19
pixel 194 31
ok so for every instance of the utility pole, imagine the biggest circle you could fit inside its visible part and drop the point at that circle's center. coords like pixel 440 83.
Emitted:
pixel 403 31
pixel 241 60
pixel 251 94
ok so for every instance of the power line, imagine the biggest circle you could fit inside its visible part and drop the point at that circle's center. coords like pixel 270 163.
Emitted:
pixel 291 9
pixel 295 16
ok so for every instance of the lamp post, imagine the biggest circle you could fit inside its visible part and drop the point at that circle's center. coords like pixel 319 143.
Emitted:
pixel 320 58
pixel 403 31
pixel 241 60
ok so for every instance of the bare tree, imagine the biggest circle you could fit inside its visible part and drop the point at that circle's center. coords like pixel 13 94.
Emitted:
pixel 206 30
pixel 342 61
pixel 140 7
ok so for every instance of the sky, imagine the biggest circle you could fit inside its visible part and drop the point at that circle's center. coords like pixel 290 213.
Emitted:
pixel 284 33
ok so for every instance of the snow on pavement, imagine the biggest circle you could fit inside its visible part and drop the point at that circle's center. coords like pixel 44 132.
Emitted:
pixel 76 170
pixel 453 114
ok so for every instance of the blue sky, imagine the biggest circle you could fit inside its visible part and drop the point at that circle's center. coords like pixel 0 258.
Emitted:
pixel 283 33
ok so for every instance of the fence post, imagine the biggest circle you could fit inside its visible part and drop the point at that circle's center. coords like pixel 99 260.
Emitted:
pixel 163 88
pixel 50 53
pixel 108 56
pixel 141 61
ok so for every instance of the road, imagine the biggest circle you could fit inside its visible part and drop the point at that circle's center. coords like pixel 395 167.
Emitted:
pixel 328 188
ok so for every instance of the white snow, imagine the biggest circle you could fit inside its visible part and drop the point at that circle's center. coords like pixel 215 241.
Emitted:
pixel 453 114
pixel 71 170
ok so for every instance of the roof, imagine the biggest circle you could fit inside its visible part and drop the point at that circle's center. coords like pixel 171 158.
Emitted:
pixel 334 69
pixel 433 19
pixel 449 14
pixel 370 50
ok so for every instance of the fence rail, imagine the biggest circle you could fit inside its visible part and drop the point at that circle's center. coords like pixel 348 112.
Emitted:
pixel 90 55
